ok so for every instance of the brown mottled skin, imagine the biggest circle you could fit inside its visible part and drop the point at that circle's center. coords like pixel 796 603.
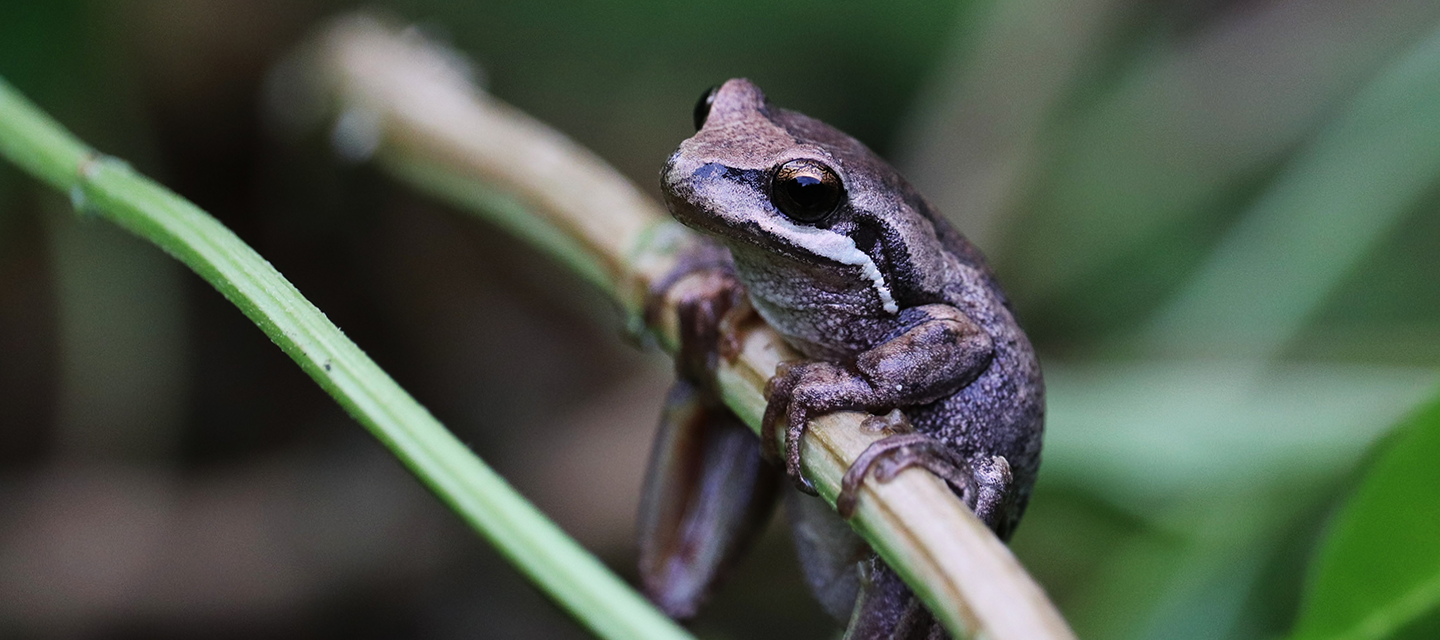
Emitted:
pixel 923 327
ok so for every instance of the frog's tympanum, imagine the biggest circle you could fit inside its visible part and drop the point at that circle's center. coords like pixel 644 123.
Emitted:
pixel 896 315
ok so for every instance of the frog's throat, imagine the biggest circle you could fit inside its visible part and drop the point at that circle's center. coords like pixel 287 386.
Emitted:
pixel 840 248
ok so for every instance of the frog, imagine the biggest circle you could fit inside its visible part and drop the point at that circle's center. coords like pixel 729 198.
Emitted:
pixel 892 311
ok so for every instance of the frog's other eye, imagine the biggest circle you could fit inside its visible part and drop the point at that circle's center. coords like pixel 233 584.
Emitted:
pixel 702 106
pixel 806 190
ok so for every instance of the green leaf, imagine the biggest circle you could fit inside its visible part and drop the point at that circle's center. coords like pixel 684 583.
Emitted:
pixel 1378 572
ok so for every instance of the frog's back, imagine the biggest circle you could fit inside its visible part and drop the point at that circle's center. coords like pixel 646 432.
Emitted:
pixel 1003 408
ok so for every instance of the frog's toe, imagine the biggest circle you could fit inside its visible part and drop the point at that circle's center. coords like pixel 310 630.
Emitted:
pixel 787 408
pixel 799 420
pixel 993 502
pixel 778 395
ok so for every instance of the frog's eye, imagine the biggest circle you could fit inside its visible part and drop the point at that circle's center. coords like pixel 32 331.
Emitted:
pixel 702 106
pixel 806 190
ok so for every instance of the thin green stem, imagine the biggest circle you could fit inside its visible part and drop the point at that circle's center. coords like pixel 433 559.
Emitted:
pixel 111 189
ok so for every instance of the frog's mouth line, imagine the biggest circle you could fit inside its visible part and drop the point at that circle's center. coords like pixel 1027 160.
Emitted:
pixel 834 246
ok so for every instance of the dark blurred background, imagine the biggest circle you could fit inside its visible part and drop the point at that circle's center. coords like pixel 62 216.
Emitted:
pixel 1221 350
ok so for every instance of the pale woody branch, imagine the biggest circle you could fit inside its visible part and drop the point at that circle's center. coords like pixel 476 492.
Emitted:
pixel 429 125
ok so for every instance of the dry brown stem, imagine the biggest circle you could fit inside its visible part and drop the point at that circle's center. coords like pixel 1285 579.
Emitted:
pixel 435 129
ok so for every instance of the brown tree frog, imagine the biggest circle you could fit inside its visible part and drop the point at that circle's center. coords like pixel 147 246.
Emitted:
pixel 896 314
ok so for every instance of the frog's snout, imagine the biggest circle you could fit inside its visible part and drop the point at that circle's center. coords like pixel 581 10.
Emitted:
pixel 677 187
pixel 668 177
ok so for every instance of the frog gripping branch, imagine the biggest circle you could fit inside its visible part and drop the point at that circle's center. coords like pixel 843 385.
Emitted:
pixel 896 314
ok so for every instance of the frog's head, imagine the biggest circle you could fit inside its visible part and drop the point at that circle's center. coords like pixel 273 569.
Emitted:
pixel 773 182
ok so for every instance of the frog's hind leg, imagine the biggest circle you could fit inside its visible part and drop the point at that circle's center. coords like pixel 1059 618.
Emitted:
pixel 887 610
pixel 829 552
pixel 984 485
pixel 851 583
pixel 707 494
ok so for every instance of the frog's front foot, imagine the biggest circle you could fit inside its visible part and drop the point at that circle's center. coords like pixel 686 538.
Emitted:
pixel 779 395
pixel 800 391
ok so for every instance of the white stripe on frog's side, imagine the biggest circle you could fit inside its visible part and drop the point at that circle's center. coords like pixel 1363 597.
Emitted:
pixel 840 248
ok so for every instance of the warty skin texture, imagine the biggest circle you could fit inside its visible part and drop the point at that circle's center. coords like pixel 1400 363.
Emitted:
pixel 892 308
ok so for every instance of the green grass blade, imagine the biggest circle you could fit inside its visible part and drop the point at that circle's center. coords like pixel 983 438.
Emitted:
pixel 108 187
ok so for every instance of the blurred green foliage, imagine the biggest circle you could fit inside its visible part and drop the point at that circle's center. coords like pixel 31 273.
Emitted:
pixel 1217 220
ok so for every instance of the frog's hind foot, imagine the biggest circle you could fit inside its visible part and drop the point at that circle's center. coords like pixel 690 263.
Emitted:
pixel 889 456
pixel 984 487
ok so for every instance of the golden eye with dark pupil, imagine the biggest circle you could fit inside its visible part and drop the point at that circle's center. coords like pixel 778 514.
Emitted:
pixel 806 190
pixel 702 106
